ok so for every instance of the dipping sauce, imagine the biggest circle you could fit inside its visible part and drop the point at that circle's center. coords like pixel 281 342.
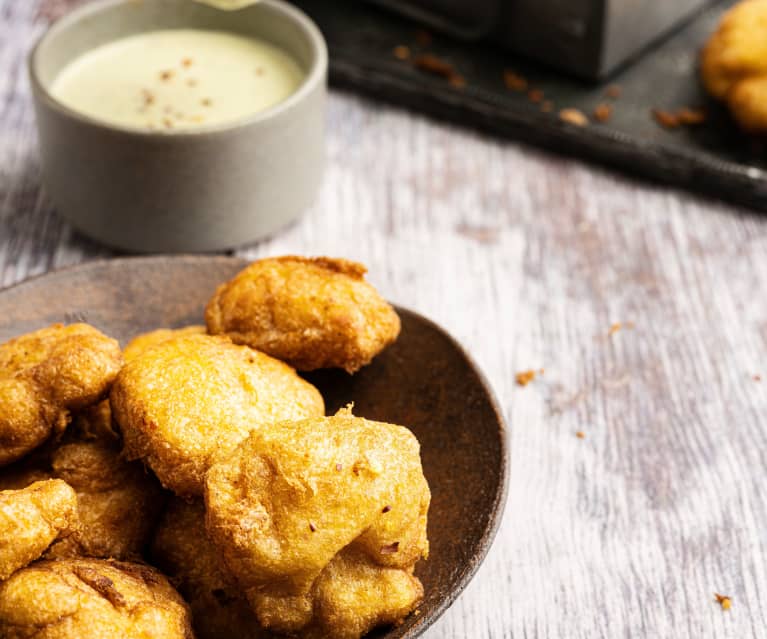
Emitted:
pixel 178 79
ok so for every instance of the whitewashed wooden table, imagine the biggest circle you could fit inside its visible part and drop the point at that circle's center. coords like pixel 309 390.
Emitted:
pixel 528 259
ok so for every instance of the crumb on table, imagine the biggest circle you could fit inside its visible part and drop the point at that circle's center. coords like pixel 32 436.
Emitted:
pixel 514 81
pixel 435 65
pixel 574 117
pixel 685 116
pixel 523 378
pixel 723 600
pixel 603 112
pixel 401 52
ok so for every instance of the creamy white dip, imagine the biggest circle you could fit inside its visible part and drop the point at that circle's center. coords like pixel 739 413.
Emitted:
pixel 178 79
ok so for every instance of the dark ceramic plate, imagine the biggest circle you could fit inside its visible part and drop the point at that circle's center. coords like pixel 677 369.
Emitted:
pixel 425 381
pixel 714 158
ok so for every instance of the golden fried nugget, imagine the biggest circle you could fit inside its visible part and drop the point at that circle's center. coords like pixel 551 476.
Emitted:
pixel 46 374
pixel 119 502
pixel 182 550
pixel 748 103
pixel 354 594
pixel 148 340
pixel 30 519
pixel 734 63
pixel 310 312
pixel 738 48
pixel 91 599
pixel 191 400
pixel 293 496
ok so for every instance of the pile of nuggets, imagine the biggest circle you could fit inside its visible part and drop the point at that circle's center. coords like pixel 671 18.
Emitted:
pixel 192 486
pixel 734 64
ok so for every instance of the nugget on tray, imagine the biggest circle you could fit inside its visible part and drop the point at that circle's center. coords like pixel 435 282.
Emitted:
pixel 191 400
pixel 294 496
pixel 182 550
pixel 310 312
pixel 145 341
pixel 734 64
pixel 46 374
pixel 30 519
pixel 91 599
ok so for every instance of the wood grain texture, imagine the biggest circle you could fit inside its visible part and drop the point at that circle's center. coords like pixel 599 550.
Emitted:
pixel 528 259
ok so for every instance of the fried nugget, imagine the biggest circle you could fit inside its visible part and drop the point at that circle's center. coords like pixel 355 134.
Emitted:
pixel 182 550
pixel 354 594
pixel 292 497
pixel 46 374
pixel 310 312
pixel 30 519
pixel 91 599
pixel 191 400
pixel 734 63
pixel 144 342
pixel 748 103
pixel 118 501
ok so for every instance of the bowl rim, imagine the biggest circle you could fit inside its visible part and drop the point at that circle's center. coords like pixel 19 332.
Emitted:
pixel 315 76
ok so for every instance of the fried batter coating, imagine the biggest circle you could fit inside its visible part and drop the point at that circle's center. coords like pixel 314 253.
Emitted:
pixel 91 599
pixel 353 595
pixel 748 103
pixel 30 519
pixel 734 63
pixel 310 312
pixel 191 400
pixel 46 374
pixel 119 502
pixel 182 550
pixel 292 497
pixel 149 340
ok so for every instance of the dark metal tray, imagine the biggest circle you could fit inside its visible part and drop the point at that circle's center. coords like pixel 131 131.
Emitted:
pixel 714 158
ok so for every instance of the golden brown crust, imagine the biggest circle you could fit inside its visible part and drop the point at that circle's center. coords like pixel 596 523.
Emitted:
pixel 182 550
pixel 193 399
pixel 91 598
pixel 31 519
pixel 144 342
pixel 46 374
pixel 310 312
pixel 354 595
pixel 118 501
pixel 292 497
pixel 748 103
pixel 734 57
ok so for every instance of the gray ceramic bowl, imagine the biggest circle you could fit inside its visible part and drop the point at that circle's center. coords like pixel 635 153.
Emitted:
pixel 203 190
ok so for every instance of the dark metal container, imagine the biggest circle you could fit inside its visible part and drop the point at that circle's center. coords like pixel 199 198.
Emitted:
pixel 588 38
